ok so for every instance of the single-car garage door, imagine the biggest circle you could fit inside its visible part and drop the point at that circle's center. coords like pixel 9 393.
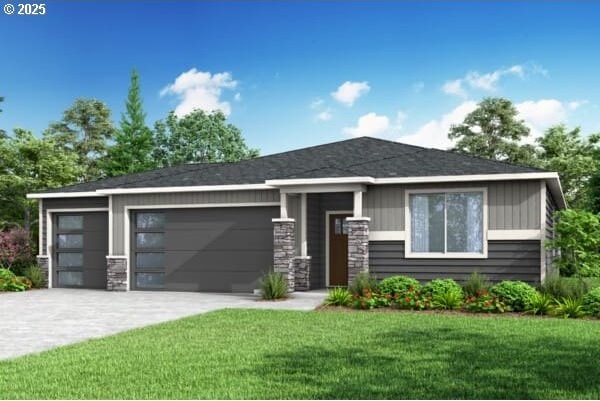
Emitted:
pixel 80 246
pixel 211 249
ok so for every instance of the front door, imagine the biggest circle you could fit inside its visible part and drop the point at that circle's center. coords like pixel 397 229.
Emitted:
pixel 338 249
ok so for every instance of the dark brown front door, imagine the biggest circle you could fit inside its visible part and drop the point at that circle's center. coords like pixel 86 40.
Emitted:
pixel 338 249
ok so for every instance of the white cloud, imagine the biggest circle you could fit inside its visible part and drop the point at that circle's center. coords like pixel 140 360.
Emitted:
pixel 237 97
pixel 348 92
pixel 317 103
pixel 574 105
pixel 325 115
pixel 434 134
pixel 489 81
pixel 542 114
pixel 418 86
pixel 454 88
pixel 200 90
pixel 370 124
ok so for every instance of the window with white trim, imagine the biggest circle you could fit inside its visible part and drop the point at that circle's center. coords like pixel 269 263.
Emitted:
pixel 447 223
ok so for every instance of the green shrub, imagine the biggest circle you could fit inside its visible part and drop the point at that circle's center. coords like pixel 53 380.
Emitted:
pixel 413 298
pixel 274 286
pixel 398 285
pixel 484 302
pixel 6 274
pixel 569 308
pixel 591 302
pixel 362 284
pixel 515 294
pixel 35 275
pixel 566 287
pixel 371 300
pixel 338 296
pixel 10 282
pixel 475 284
pixel 539 304
pixel 441 286
pixel 448 300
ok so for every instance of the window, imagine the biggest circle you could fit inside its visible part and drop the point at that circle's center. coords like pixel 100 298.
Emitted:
pixel 70 240
pixel 447 224
pixel 150 220
pixel 149 250
pixel 70 222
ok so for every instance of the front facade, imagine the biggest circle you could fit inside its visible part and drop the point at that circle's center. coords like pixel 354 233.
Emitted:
pixel 318 215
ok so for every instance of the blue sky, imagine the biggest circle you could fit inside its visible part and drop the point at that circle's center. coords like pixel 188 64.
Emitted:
pixel 295 74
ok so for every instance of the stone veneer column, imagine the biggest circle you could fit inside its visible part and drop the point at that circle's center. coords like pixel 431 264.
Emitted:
pixel 284 249
pixel 43 262
pixel 302 273
pixel 116 273
pixel 358 246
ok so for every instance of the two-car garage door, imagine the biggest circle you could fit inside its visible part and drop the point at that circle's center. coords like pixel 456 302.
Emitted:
pixel 212 249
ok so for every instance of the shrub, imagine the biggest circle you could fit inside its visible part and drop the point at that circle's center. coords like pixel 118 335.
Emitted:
pixel 578 239
pixel 274 286
pixel 10 282
pixel 35 275
pixel 398 285
pixel 515 294
pixel 539 304
pixel 591 302
pixel 562 287
pixel 475 284
pixel 484 302
pixel 441 286
pixel 338 296
pixel 6 274
pixel 569 308
pixel 370 300
pixel 362 284
pixel 15 247
pixel 448 300
pixel 413 299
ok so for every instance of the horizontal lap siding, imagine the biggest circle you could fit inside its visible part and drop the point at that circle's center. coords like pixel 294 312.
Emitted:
pixel 507 260
pixel 549 234
pixel 179 198
pixel 68 203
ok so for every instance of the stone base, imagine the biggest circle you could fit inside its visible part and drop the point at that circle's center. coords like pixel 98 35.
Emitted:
pixel 284 243
pixel 43 263
pixel 116 274
pixel 302 273
pixel 358 246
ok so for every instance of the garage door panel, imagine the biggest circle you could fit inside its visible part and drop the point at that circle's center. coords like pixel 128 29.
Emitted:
pixel 222 240
pixel 96 241
pixel 242 217
pixel 219 261
pixel 212 281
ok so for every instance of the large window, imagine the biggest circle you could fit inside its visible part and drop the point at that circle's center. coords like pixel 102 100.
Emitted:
pixel 447 224
pixel 149 250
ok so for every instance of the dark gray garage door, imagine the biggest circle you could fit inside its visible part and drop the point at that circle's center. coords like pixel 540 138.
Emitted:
pixel 80 246
pixel 217 249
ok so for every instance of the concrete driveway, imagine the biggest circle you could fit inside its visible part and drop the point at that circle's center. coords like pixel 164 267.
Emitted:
pixel 37 320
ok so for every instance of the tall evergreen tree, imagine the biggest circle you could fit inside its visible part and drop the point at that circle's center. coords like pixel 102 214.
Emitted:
pixel 2 132
pixel 132 150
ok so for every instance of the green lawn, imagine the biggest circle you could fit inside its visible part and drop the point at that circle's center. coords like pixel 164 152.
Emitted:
pixel 279 354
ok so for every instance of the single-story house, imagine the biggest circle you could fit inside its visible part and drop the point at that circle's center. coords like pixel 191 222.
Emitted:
pixel 319 215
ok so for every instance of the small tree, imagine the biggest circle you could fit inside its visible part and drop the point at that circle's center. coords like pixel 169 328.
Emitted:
pixel 15 248
pixel 578 239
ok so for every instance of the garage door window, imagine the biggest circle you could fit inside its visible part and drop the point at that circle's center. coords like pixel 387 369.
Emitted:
pixel 69 250
pixel 149 246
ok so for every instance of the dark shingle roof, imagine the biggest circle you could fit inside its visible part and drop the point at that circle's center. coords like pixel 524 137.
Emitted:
pixel 350 158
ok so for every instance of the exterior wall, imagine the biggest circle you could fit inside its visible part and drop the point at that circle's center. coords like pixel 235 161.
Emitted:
pixel 181 198
pixel 549 232
pixel 507 260
pixel 67 203
pixel 293 208
pixel 317 205
pixel 512 205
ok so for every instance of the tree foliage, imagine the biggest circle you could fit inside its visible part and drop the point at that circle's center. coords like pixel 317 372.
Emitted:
pixel 85 129
pixel 493 131
pixel 578 240
pixel 2 132
pixel 30 164
pixel 573 157
pixel 134 142
pixel 199 137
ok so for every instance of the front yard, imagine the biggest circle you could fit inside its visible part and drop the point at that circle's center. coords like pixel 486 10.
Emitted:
pixel 282 354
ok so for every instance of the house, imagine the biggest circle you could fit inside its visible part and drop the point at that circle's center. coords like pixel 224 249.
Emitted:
pixel 319 215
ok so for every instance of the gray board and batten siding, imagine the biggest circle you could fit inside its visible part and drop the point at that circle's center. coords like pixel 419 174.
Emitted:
pixel 119 202
pixel 512 205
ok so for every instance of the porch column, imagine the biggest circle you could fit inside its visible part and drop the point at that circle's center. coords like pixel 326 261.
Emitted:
pixel 284 248
pixel 358 246
pixel 302 262
pixel 116 273
pixel 43 263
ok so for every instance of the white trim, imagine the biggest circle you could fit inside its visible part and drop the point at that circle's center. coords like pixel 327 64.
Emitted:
pixel 116 256
pixel 201 205
pixel 197 188
pixel 49 235
pixel 284 220
pixel 542 230
pixel 387 235
pixel 64 195
pixel 466 178
pixel 320 181
pixel 327 214
pixel 506 235
pixel 40 225
pixel 127 253
pixel 319 188
pixel 110 225
pixel 358 203
pixel 358 219
pixel 303 224
pixel 408 254
pixel 283 213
